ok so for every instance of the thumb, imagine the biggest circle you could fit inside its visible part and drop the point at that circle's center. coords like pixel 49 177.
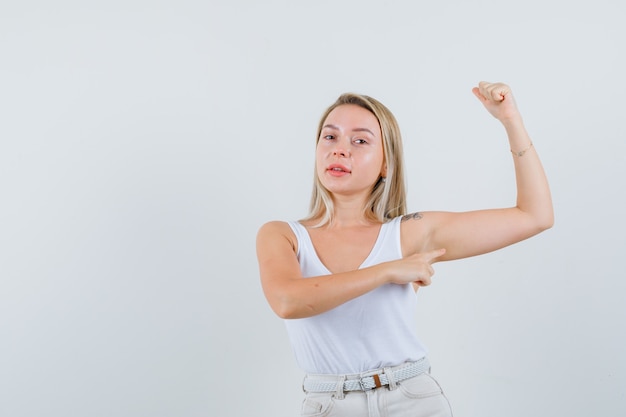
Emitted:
pixel 480 97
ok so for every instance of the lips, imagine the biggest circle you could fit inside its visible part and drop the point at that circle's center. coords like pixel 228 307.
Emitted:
pixel 338 169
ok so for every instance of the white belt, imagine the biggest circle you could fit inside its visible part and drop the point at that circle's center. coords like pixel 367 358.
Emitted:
pixel 318 383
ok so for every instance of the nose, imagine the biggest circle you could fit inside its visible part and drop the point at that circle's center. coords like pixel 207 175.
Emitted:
pixel 340 150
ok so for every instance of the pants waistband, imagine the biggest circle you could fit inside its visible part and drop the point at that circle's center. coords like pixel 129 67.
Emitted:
pixel 366 381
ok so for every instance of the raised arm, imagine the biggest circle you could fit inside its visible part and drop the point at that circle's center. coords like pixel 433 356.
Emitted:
pixel 292 296
pixel 477 232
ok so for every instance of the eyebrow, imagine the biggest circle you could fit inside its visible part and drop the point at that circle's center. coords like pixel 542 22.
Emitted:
pixel 358 129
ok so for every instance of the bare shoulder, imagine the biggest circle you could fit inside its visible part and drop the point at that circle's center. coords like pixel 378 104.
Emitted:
pixel 274 226
pixel 276 231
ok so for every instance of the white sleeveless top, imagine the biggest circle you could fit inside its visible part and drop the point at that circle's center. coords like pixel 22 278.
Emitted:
pixel 369 332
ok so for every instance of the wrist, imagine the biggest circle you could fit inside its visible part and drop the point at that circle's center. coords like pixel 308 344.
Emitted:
pixel 381 274
pixel 519 153
pixel 512 123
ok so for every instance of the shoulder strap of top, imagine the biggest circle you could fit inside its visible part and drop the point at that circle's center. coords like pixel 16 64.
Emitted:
pixel 302 236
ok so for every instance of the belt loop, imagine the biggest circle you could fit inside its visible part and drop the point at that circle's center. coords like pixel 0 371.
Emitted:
pixel 340 393
pixel 390 379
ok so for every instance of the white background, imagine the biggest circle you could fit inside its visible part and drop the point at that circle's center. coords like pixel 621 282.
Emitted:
pixel 142 145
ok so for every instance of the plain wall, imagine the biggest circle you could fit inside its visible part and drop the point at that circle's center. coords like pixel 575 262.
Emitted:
pixel 142 145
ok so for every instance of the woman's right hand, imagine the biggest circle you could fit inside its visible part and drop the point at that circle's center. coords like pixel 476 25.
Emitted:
pixel 416 269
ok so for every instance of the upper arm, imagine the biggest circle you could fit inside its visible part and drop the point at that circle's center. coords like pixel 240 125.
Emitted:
pixel 469 233
pixel 276 248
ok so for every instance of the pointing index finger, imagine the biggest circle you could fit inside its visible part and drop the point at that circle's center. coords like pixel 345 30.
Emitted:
pixel 434 254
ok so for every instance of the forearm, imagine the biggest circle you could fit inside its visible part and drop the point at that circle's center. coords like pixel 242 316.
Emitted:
pixel 305 297
pixel 533 191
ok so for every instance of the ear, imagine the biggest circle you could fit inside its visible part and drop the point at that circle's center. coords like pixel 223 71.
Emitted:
pixel 383 170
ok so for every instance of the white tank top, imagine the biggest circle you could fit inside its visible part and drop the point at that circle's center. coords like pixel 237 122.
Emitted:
pixel 369 332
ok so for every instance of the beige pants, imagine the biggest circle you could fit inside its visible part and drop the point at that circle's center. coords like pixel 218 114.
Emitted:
pixel 420 396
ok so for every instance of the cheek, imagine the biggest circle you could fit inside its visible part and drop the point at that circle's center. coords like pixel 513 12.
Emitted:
pixel 376 161
pixel 319 157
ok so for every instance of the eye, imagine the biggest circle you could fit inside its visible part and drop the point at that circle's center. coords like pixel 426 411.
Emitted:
pixel 328 137
pixel 360 141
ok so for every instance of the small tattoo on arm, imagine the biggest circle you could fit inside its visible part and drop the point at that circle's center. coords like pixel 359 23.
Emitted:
pixel 414 216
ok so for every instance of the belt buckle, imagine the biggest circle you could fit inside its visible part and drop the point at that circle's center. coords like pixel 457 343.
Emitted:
pixel 363 383
pixel 366 385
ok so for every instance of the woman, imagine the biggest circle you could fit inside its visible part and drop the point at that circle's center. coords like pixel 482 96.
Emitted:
pixel 344 277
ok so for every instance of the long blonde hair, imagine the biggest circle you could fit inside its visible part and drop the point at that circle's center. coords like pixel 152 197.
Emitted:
pixel 388 196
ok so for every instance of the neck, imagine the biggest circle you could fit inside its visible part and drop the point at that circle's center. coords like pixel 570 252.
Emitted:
pixel 349 212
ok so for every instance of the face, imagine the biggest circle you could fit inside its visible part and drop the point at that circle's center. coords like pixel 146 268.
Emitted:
pixel 349 155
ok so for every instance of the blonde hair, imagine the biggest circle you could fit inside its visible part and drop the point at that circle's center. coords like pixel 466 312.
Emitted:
pixel 388 197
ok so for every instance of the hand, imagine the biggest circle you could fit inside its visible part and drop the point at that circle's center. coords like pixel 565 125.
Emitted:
pixel 416 269
pixel 497 99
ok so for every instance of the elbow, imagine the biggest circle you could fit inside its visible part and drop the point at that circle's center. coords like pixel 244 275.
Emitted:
pixel 284 312
pixel 537 220
pixel 289 313
pixel 288 310
pixel 286 302
pixel 548 222
pixel 545 222
pixel 280 307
